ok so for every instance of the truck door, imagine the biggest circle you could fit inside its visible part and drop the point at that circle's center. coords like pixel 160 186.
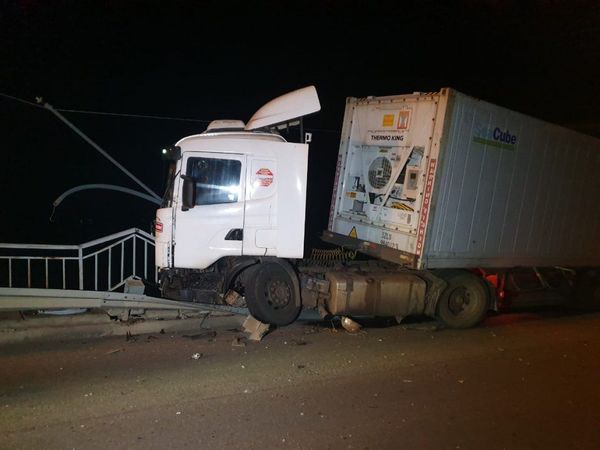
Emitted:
pixel 213 227
pixel 260 225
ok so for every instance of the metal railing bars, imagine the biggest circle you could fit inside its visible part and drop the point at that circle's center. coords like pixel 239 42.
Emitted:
pixel 94 260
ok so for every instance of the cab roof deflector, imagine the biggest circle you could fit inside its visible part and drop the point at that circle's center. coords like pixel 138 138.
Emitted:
pixel 289 106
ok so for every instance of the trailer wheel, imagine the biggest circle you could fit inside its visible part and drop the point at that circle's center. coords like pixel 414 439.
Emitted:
pixel 464 302
pixel 272 293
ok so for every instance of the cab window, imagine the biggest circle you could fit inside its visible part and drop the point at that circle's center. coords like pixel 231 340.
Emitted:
pixel 217 180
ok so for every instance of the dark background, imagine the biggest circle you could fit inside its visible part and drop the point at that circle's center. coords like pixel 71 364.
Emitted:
pixel 210 60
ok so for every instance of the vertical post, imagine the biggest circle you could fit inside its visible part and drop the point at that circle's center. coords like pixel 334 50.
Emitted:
pixel 46 262
pixel 10 272
pixel 80 260
pixel 133 252
pixel 109 268
pixel 64 270
pixel 28 272
pixel 122 256
pixel 145 260
pixel 96 272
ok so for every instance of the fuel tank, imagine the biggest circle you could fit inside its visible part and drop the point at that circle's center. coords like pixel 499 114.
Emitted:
pixel 375 294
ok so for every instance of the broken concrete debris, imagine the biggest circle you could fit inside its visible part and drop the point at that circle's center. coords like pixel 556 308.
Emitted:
pixel 197 356
pixel 255 328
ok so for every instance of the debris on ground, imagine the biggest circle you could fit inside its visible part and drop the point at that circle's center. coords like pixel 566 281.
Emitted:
pixel 255 328
pixel 197 356
pixel 115 350
pixel 130 337
pixel 238 342
pixel 350 325
pixel 423 326
pixel 210 335
pixel 151 338
pixel 298 342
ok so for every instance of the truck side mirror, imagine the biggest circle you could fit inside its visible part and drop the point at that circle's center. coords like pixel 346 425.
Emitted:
pixel 188 193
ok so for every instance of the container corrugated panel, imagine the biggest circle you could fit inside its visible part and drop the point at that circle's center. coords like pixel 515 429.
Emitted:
pixel 512 190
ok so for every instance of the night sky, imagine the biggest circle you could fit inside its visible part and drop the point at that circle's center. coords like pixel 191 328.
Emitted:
pixel 210 60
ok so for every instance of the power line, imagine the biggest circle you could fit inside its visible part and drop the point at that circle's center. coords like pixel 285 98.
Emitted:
pixel 135 116
pixel 27 102
pixel 102 113
pixel 139 116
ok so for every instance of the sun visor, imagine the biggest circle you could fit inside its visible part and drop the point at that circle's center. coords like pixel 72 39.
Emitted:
pixel 286 107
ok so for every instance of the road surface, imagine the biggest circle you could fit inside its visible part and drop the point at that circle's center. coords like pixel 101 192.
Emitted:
pixel 519 381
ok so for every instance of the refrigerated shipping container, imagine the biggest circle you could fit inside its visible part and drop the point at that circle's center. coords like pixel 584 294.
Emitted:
pixel 444 180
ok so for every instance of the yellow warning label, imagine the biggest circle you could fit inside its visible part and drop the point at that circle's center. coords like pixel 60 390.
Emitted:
pixel 351 194
pixel 353 233
pixel 388 120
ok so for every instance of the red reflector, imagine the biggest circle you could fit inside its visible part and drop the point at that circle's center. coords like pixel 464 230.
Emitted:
pixel 158 226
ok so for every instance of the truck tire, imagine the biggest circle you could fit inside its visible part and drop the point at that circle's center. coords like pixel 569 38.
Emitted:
pixel 272 293
pixel 464 302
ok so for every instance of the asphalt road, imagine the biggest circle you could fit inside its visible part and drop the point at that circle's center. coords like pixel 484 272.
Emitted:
pixel 520 381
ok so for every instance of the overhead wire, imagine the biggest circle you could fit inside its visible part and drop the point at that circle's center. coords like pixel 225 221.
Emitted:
pixel 136 116
pixel 103 113
pixel 12 97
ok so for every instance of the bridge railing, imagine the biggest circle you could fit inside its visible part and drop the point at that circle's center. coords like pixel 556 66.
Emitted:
pixel 101 264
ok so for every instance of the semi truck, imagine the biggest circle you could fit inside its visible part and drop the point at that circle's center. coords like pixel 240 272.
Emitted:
pixel 442 206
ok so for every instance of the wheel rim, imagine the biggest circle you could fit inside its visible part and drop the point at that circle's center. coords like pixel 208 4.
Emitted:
pixel 460 301
pixel 278 294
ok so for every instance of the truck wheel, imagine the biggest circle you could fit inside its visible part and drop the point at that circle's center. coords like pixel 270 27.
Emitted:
pixel 464 302
pixel 272 294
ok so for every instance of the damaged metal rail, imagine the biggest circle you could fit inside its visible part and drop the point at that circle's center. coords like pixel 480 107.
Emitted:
pixel 17 299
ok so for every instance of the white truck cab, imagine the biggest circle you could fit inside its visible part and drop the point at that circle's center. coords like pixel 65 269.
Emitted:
pixel 237 190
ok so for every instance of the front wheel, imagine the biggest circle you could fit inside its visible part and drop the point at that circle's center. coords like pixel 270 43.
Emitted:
pixel 464 302
pixel 272 293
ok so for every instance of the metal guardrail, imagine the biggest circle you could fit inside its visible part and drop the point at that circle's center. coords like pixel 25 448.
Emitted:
pixel 101 264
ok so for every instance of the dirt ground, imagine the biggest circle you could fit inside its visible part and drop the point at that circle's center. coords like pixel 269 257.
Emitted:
pixel 520 381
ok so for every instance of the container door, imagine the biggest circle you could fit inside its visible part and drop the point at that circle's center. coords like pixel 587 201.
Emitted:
pixel 212 228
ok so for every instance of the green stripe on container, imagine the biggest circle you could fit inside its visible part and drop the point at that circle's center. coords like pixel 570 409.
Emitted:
pixel 493 143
